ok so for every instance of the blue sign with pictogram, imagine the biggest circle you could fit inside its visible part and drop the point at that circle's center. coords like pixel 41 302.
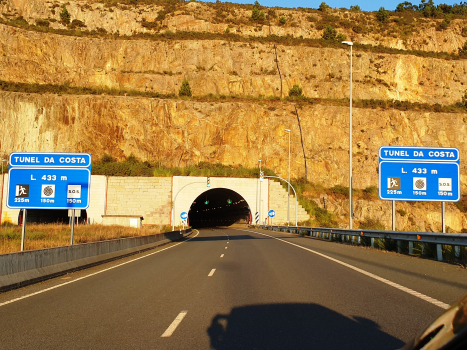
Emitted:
pixel 271 213
pixel 184 215
pixel 429 174
pixel 49 181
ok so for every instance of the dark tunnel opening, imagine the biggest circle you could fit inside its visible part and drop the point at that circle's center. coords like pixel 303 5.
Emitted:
pixel 51 216
pixel 218 207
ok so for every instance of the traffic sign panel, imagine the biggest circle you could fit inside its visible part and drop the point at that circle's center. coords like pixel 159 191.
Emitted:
pixel 49 181
pixel 271 213
pixel 419 174
pixel 184 215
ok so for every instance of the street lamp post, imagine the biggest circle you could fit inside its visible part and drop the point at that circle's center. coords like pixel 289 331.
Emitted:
pixel 288 185
pixel 349 43
pixel 260 214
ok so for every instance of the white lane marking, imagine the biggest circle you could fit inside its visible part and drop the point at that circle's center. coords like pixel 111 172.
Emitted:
pixel 92 274
pixel 173 326
pixel 212 272
pixel 225 247
pixel 369 274
pixel 222 255
pixel 227 242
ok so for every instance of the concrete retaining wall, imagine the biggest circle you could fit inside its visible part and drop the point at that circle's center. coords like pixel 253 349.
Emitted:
pixel 21 268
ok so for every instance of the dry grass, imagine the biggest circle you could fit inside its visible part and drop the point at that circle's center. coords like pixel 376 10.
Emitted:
pixel 40 236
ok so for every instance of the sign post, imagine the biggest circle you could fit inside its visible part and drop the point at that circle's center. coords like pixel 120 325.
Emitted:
pixel 49 181
pixel 428 174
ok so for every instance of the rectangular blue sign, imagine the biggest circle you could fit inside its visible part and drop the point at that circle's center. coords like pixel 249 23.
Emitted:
pixel 57 160
pixel 419 174
pixel 49 181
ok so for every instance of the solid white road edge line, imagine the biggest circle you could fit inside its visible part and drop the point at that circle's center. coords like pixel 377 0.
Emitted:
pixel 92 274
pixel 173 326
pixel 369 274
pixel 222 255
pixel 212 272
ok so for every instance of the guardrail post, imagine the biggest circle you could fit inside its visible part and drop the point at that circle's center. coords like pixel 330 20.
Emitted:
pixel 330 236
pixel 439 251
pixel 359 240
pixel 410 247
pixel 399 246
pixel 457 251
pixel 423 249
pixel 372 242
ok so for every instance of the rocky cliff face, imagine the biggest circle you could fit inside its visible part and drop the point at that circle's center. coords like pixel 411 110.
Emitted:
pixel 421 34
pixel 180 133
pixel 228 68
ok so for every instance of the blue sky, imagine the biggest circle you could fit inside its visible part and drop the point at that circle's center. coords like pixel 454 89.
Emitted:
pixel 365 5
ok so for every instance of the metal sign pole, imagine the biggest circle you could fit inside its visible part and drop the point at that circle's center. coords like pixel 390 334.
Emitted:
pixel 393 215
pixel 72 226
pixel 23 231
pixel 443 215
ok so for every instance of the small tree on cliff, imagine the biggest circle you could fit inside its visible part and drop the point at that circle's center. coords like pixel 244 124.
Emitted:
pixel 296 91
pixel 257 14
pixel 65 16
pixel 185 89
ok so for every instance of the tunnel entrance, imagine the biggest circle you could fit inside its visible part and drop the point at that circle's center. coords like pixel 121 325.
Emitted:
pixel 218 207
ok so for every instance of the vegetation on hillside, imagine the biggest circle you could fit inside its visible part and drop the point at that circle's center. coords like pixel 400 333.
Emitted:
pixel 294 95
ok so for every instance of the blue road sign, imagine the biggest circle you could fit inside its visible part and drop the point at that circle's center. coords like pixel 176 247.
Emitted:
pixel 271 213
pixel 429 174
pixel 184 215
pixel 49 181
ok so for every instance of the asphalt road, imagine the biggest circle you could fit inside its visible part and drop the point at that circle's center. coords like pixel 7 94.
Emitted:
pixel 235 289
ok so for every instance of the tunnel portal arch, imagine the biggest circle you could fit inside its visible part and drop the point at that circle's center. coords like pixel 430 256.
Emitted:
pixel 219 207
pixel 186 189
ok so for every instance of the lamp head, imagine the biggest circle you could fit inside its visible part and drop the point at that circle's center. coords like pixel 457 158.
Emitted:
pixel 349 43
pixel 288 130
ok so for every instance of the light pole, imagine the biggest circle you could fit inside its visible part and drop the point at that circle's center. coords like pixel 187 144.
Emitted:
pixel 288 186
pixel 349 43
pixel 260 214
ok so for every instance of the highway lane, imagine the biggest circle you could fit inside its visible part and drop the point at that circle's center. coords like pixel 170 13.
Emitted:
pixel 261 294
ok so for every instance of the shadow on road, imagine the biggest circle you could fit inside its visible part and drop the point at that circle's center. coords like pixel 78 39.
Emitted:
pixel 295 326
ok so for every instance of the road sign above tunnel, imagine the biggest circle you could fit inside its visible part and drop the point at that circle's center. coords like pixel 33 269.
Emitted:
pixel 49 181
pixel 430 174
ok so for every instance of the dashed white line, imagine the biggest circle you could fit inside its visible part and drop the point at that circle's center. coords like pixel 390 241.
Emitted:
pixel 212 272
pixel 225 247
pixel 173 326
pixel 222 255
pixel 228 242
pixel 369 274
pixel 93 274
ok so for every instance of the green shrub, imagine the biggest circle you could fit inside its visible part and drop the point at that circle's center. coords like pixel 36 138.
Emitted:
pixel 371 224
pixel 323 7
pixel 401 212
pixel 341 37
pixel 256 13
pixel 65 16
pixel 282 20
pixel 355 8
pixel 370 193
pixel 329 33
pixel 42 22
pixel 185 89
pixel 296 91
pixel 464 32
pixel 340 191
pixel 382 15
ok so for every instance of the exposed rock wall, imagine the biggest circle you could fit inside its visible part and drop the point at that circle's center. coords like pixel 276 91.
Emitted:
pixel 200 17
pixel 178 132
pixel 185 132
pixel 220 67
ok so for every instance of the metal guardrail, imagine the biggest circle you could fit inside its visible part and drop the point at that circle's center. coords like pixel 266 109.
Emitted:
pixel 440 239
